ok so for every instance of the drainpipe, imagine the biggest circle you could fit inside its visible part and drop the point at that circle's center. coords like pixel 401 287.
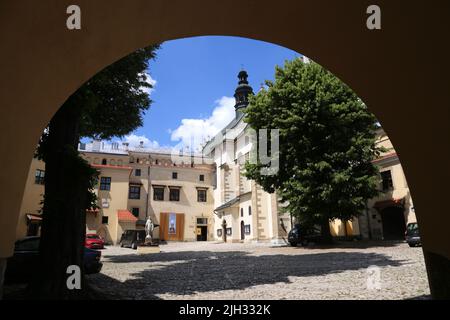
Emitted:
pixel 148 187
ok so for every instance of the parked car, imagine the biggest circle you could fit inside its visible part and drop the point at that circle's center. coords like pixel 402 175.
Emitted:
pixel 94 241
pixel 24 263
pixel 297 235
pixel 132 238
pixel 412 235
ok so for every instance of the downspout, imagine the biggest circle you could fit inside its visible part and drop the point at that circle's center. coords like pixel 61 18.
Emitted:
pixel 148 187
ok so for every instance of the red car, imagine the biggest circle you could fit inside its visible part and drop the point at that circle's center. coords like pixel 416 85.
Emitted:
pixel 94 241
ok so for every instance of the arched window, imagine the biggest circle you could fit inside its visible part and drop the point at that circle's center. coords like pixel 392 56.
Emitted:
pixel 104 162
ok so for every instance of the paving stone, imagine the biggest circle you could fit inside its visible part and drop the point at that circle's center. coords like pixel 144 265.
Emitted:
pixel 208 270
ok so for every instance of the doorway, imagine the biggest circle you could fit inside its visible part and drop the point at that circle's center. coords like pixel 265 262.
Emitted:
pixel 202 233
pixel 242 230
pixel 393 222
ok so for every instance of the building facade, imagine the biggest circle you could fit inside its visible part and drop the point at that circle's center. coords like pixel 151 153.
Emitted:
pixel 387 215
pixel 134 184
pixel 244 211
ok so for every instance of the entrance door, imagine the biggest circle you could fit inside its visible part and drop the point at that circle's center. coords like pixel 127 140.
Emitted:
pixel 171 226
pixel 202 233
pixel 394 225
pixel 242 230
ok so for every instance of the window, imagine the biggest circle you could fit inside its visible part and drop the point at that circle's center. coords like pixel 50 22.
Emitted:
pixel 131 159
pixel 235 148
pixel 247 140
pixel 158 193
pixel 137 172
pixel 134 192
pixel 104 162
pixel 82 146
pixel 229 231
pixel 203 221
pixel 105 220
pixel 39 177
pixel 202 177
pixel 174 175
pixel 135 212
pixel 156 161
pixel 174 194
pixel 219 232
pixel 201 195
pixel 247 229
pixel 249 210
pixel 105 183
pixel 386 177
pixel 242 212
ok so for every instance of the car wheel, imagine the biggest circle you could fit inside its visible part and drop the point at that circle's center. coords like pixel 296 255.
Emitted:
pixel 411 245
pixel 293 243
pixel 121 245
pixel 134 246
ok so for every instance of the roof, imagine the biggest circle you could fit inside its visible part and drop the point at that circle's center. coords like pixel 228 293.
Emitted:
pixel 126 216
pixel 228 204
pixel 387 156
pixel 230 126
pixel 34 217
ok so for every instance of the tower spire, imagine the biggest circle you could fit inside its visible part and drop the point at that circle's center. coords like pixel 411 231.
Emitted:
pixel 242 92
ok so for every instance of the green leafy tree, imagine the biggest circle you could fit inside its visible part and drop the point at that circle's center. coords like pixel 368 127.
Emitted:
pixel 327 144
pixel 110 104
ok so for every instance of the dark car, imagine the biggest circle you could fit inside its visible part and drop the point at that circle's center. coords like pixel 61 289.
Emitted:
pixel 23 264
pixel 412 234
pixel 132 238
pixel 303 236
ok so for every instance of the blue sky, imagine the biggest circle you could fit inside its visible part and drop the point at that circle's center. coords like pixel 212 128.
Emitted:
pixel 195 79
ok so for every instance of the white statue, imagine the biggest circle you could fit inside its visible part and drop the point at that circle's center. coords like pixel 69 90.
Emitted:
pixel 149 227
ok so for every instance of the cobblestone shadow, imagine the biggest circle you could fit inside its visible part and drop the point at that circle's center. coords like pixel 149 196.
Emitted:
pixel 183 273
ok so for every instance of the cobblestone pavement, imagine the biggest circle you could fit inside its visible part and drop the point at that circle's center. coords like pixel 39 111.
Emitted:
pixel 261 271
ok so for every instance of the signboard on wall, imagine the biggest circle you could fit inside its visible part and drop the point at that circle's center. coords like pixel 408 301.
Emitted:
pixel 172 223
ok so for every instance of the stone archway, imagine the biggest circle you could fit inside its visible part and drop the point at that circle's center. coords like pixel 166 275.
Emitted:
pixel 398 71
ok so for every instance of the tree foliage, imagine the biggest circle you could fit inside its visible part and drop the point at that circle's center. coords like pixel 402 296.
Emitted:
pixel 327 143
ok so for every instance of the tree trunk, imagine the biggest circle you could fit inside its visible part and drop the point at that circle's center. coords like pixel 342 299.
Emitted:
pixel 325 231
pixel 64 211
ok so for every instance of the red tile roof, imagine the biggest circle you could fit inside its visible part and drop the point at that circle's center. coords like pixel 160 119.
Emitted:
pixel 126 216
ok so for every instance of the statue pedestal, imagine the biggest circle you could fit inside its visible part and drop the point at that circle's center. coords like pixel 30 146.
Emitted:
pixel 148 249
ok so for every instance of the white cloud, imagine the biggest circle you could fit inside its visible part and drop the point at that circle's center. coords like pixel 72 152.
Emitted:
pixel 193 132
pixel 151 82
pixel 135 140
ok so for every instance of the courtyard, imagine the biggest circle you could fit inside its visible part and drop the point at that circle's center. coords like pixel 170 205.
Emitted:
pixel 212 270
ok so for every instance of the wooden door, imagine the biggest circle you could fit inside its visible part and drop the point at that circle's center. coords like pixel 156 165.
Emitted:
pixel 164 227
